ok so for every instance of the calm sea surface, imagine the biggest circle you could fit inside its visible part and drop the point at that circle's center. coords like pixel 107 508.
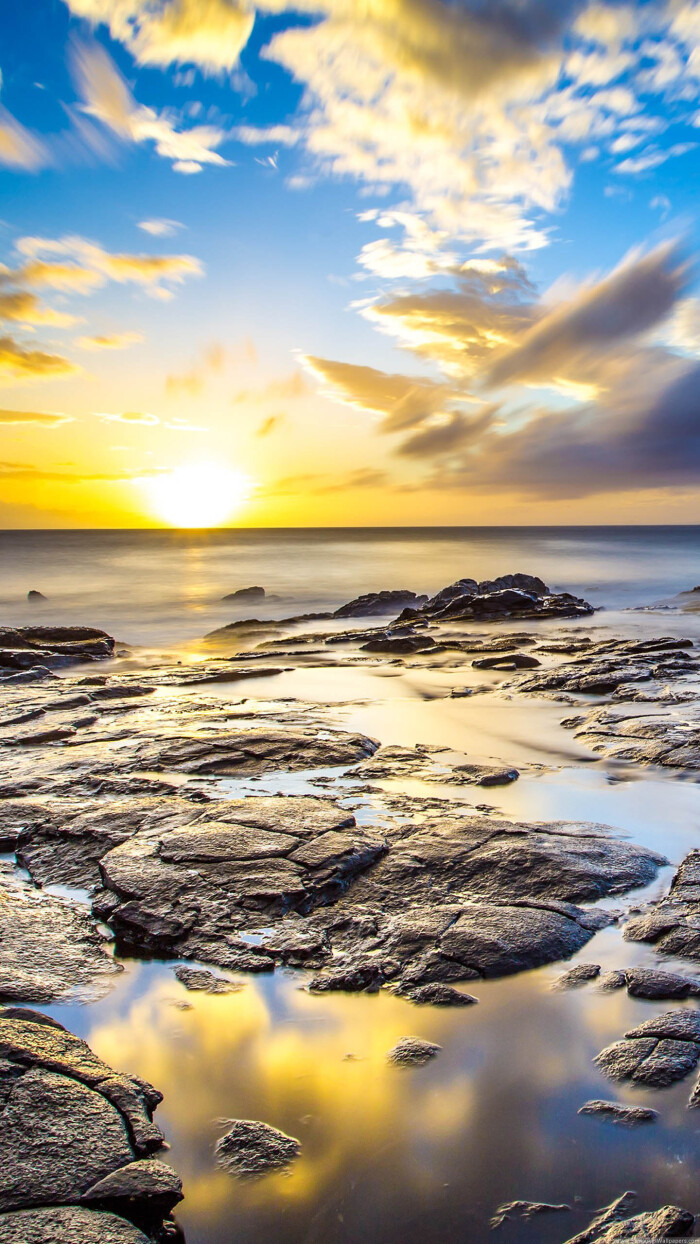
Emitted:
pixel 158 587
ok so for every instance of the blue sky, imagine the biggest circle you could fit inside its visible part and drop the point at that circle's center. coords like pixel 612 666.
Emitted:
pixel 389 261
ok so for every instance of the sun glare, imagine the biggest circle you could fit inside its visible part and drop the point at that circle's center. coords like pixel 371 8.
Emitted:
pixel 200 494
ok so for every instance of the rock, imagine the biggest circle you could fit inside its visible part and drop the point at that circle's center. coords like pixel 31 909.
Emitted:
pixel 202 981
pixel 35 596
pixel 578 975
pixel 400 644
pixel 254 1148
pixel 72 1130
pixel 22 648
pixel 67 1225
pixel 673 925
pixel 657 1053
pixel 244 594
pixel 486 775
pixel 413 1052
pixel 50 950
pixel 526 1210
pixel 374 604
pixel 362 978
pixel 147 1179
pixel 612 1225
pixel 256 751
pixel 436 995
pixel 625 1116
pixel 507 661
pixel 652 984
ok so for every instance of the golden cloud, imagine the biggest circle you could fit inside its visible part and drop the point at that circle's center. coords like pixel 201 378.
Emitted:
pixel 110 341
pixel 43 418
pixel 18 363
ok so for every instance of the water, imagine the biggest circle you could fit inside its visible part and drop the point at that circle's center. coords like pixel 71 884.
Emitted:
pixel 391 1156
pixel 163 587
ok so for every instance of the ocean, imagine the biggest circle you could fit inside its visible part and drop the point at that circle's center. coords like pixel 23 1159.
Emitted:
pixel 158 588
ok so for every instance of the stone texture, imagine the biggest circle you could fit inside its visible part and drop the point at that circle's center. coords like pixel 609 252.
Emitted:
pixel 253 1148
pixel 413 1052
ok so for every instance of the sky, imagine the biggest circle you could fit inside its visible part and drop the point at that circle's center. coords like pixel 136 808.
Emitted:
pixel 349 263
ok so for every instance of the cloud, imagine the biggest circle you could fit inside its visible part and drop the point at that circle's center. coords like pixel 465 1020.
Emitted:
pixel 19 363
pixel 445 436
pixel 211 361
pixel 206 33
pixel 84 266
pixel 269 425
pixel 402 401
pixel 19 149
pixel 568 341
pixel 131 417
pixel 42 418
pixel 23 307
pixel 160 228
pixel 107 98
pixel 311 484
pixel 110 341
pixel 645 434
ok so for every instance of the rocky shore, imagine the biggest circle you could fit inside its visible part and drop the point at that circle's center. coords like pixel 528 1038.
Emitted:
pixel 117 784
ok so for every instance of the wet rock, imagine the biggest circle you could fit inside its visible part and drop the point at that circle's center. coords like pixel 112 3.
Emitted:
pixel 657 1053
pixel 624 1116
pixel 526 1210
pixel 673 925
pixel 362 978
pixel 436 995
pixel 653 984
pixel 246 594
pixel 413 1052
pixel 145 1180
pixel 613 1224
pixel 610 981
pixel 579 975
pixel 202 981
pixel 232 674
pixel 21 648
pixel 253 1148
pixel 67 1225
pixel 507 661
pixel 50 950
pixel 374 604
pixel 400 644
pixel 35 596
pixel 486 775
pixel 257 751
pixel 73 1130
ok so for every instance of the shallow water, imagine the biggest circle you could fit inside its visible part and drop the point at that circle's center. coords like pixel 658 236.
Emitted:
pixel 392 1156
pixel 163 587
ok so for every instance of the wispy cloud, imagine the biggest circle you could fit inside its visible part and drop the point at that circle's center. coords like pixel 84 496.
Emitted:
pixel 41 418
pixel 109 341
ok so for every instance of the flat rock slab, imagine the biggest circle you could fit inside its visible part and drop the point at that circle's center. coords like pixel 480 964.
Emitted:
pixel 74 1130
pixel 261 750
pixel 624 1116
pixel 577 976
pixel 673 925
pixel 252 1148
pixel 436 995
pixel 413 1052
pixel 50 950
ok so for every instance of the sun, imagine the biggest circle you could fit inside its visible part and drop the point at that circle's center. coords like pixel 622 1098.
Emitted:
pixel 199 494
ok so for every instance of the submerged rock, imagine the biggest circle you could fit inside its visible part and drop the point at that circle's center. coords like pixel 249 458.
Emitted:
pixel 624 1116
pixel 413 1052
pixel 254 1148
pixel 244 594
pixel 201 981
pixel 526 1210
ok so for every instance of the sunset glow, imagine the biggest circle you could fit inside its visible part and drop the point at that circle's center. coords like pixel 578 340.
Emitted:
pixel 199 495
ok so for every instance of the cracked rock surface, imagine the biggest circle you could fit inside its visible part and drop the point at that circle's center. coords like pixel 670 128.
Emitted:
pixel 75 1134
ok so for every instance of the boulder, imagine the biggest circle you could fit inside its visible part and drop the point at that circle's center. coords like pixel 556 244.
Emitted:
pixel 374 604
pixel 253 1148
pixel 246 594
pixel 413 1052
